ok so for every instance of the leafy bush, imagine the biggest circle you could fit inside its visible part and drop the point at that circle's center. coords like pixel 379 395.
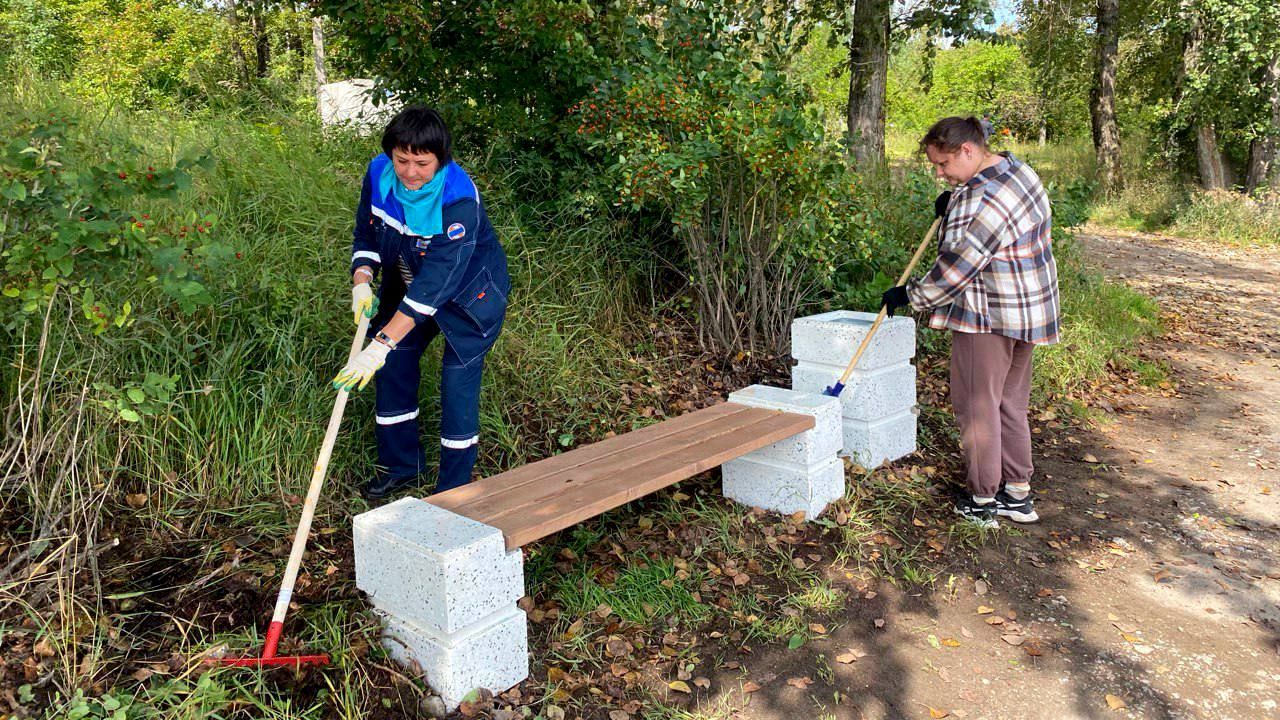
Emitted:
pixel 72 221
pixel 703 126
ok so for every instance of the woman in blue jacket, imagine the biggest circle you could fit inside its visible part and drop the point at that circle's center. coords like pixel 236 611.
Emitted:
pixel 422 225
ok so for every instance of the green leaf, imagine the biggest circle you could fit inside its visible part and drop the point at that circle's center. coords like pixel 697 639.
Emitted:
pixel 796 641
pixel 136 395
pixel 129 415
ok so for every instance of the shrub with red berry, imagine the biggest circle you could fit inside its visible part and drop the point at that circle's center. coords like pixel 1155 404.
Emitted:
pixel 71 225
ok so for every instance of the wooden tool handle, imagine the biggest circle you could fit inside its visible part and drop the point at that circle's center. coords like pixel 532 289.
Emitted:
pixel 866 339
pixel 313 495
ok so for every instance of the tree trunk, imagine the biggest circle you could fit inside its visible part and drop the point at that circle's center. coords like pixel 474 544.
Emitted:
pixel 261 40
pixel 1263 170
pixel 1213 171
pixel 1209 162
pixel 1106 132
pixel 317 50
pixel 868 75
pixel 233 18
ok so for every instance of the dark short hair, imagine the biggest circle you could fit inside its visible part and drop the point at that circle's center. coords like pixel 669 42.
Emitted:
pixel 418 129
pixel 949 133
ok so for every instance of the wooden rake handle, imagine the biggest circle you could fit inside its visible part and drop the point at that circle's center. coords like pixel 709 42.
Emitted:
pixel 866 339
pixel 309 507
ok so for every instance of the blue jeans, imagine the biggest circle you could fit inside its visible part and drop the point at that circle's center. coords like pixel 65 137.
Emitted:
pixel 400 453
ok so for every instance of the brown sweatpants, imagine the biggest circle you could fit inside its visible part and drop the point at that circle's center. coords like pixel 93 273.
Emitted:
pixel 990 390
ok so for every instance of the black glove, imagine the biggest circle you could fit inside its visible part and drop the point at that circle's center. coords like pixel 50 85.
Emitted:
pixel 894 298
pixel 941 203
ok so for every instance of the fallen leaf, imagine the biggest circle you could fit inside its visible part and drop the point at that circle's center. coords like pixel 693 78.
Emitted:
pixel 936 713
pixel 702 682
pixel 950 642
pixel 1014 640
pixel 846 658
pixel 965 632
pixel 680 686
pixel 619 670
pixel 556 675
pixel 800 682
pixel 995 620
pixel 136 500
pixel 984 610
pixel 980 587
pixel 818 628
pixel 1115 702
pixel 603 611
pixel 619 715
pixel 1033 649
pixel 645 523
pixel 1045 592
pixel 749 687
pixel 617 647
pixel 878 622
pixel 933 642
pixel 1089 458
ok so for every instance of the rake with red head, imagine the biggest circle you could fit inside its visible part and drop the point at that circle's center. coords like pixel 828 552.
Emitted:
pixel 269 657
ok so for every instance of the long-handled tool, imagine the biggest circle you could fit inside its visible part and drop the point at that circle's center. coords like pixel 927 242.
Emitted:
pixel 835 390
pixel 269 657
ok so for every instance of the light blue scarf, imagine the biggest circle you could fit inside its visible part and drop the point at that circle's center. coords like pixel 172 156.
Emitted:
pixel 422 211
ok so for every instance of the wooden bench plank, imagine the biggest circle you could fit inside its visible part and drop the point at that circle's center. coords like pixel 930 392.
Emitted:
pixel 613 465
pixel 538 511
pixel 503 483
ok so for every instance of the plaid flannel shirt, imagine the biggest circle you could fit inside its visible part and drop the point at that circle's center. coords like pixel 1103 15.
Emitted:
pixel 995 271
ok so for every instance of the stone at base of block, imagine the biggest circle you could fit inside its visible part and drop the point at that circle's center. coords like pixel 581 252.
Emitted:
pixel 871 443
pixel 784 488
pixel 493 654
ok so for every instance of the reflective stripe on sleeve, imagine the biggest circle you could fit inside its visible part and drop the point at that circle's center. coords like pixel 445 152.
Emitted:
pixel 368 255
pixel 460 444
pixel 424 309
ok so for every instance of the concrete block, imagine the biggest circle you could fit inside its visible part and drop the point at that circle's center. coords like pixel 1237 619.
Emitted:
pixel 783 488
pixel 831 338
pixel 350 102
pixel 493 654
pixel 868 395
pixel 871 443
pixel 433 567
pixel 811 447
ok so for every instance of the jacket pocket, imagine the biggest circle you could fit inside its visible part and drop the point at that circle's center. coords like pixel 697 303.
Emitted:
pixel 484 303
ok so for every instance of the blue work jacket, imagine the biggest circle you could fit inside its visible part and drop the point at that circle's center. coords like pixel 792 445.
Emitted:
pixel 458 277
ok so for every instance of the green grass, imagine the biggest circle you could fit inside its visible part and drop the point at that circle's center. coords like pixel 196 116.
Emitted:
pixel 641 591
pixel 1101 324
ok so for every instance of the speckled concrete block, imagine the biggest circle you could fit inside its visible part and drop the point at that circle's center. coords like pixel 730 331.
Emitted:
pixel 492 654
pixel 800 473
pixel 435 568
pixel 832 338
pixel 868 395
pixel 871 443
pixel 784 488
pixel 810 447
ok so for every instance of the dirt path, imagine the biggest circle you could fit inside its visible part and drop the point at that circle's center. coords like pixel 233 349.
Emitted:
pixel 1151 588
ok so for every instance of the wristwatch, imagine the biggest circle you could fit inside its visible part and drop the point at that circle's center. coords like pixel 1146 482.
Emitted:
pixel 385 339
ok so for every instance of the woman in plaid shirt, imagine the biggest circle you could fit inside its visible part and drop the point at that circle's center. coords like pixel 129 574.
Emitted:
pixel 995 286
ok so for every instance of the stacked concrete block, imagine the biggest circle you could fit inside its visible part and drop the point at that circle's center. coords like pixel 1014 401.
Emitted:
pixel 801 473
pixel 878 402
pixel 447 589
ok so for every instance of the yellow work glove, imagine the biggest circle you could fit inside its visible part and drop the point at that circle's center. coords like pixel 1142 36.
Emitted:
pixel 363 301
pixel 360 370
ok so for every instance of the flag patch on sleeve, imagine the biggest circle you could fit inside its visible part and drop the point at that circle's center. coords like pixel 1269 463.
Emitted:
pixel 456 231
